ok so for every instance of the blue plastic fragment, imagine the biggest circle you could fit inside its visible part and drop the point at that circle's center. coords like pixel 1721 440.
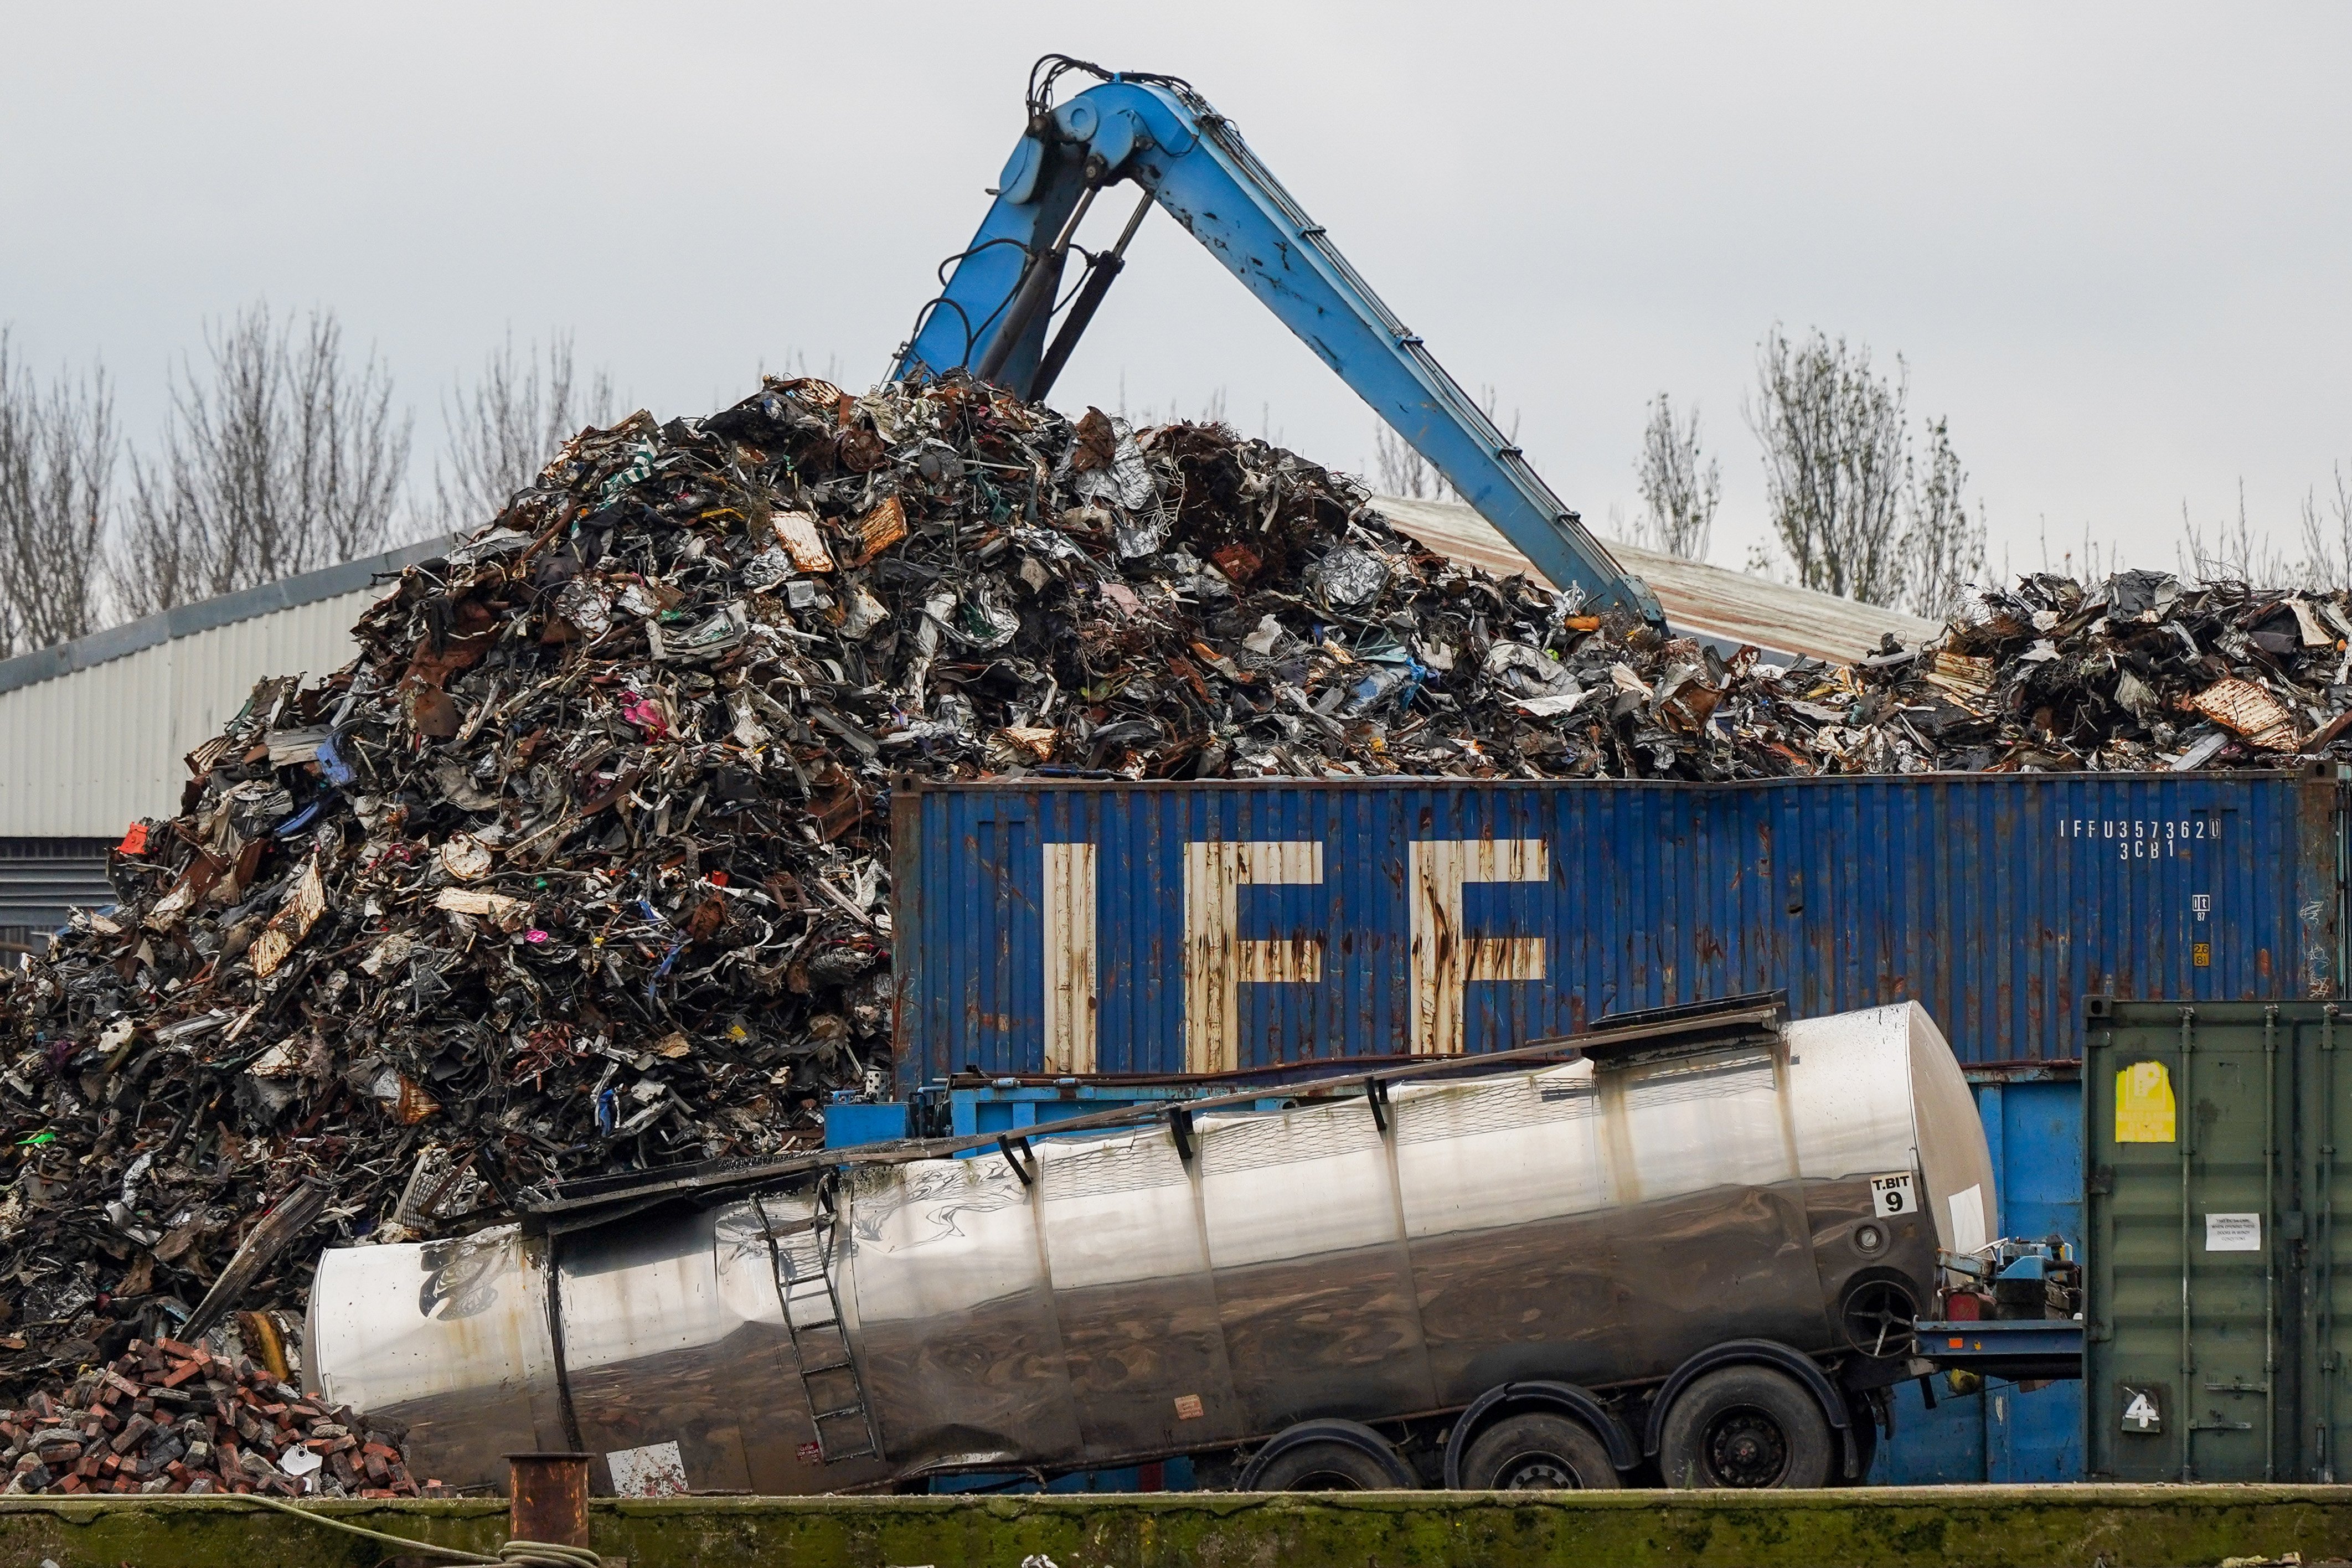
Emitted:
pixel 331 763
pixel 300 819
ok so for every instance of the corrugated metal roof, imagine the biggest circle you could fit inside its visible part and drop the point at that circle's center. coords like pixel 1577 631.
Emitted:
pixel 93 732
pixel 206 615
pixel 1700 600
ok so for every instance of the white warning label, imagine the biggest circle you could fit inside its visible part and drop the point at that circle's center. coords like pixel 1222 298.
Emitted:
pixel 2233 1232
pixel 1894 1195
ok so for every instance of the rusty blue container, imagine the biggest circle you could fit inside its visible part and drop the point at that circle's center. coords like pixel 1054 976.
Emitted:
pixel 1105 928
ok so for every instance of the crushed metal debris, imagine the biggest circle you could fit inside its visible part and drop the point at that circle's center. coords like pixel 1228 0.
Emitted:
pixel 581 865
pixel 172 1416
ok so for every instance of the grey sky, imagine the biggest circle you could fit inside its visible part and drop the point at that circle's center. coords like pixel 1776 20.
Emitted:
pixel 2111 242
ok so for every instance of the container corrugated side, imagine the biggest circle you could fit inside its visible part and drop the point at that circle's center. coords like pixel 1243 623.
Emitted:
pixel 2002 1433
pixel 1089 927
pixel 2219 1280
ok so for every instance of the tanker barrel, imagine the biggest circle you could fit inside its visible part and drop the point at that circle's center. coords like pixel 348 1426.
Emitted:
pixel 1402 1244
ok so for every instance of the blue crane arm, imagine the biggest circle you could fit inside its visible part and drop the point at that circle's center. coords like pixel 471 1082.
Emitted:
pixel 1000 300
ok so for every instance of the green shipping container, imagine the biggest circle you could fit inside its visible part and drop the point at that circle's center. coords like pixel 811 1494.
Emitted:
pixel 2214 1349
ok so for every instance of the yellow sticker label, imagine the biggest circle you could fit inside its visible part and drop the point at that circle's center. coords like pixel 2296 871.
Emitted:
pixel 2144 1104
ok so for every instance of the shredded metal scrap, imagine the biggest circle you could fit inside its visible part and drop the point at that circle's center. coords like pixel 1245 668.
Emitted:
pixel 581 865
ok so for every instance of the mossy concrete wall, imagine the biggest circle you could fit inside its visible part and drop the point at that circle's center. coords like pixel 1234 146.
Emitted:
pixel 1948 1527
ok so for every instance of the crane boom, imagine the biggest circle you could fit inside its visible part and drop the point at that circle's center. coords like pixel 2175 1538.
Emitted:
pixel 998 303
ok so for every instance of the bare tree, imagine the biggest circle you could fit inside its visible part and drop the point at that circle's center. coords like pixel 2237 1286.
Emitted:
pixel 1835 463
pixel 2237 552
pixel 1402 471
pixel 2096 561
pixel 1399 470
pixel 2327 536
pixel 282 458
pixel 1211 410
pixel 58 450
pixel 505 427
pixel 1679 488
pixel 1943 548
pixel 795 362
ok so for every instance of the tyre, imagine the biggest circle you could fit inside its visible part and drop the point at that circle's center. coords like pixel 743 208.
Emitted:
pixel 1746 1427
pixel 1539 1451
pixel 1324 1464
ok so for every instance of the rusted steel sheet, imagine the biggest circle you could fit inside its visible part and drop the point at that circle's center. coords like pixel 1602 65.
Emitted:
pixel 1088 927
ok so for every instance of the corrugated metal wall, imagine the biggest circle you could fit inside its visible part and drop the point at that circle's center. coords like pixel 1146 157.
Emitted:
pixel 1172 928
pixel 84 753
pixel 2034 1127
pixel 2218 1298
pixel 40 878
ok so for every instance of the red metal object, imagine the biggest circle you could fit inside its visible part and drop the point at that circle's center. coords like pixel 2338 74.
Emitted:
pixel 548 1498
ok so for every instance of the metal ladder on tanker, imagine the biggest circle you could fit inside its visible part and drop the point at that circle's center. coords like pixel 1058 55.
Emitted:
pixel 800 1227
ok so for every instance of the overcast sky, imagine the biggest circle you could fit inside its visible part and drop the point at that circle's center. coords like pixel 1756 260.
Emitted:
pixel 2110 243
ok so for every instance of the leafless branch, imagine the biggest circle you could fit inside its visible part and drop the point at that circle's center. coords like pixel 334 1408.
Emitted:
pixel 1835 461
pixel 2327 536
pixel 1402 471
pixel 58 450
pixel 2237 552
pixel 1679 488
pixel 282 458
pixel 1943 548
pixel 508 423
pixel 1399 470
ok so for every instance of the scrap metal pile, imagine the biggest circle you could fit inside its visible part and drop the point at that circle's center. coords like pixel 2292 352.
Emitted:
pixel 2140 672
pixel 2137 673
pixel 582 865
pixel 170 1418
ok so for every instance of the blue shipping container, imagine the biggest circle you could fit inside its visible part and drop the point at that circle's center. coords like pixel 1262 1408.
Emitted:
pixel 1111 927
pixel 2033 1124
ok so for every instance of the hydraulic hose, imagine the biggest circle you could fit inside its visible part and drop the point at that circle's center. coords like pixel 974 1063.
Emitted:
pixel 512 1554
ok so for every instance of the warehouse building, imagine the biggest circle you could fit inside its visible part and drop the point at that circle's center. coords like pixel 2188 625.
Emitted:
pixel 93 733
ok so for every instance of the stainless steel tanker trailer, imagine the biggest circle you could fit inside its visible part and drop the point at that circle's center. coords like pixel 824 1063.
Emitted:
pixel 1687 1246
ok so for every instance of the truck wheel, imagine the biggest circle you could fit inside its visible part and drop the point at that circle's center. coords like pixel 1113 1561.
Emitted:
pixel 1325 1465
pixel 1746 1427
pixel 1537 1452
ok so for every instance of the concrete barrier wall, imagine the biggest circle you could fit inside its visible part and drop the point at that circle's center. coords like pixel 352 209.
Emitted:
pixel 1948 1527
